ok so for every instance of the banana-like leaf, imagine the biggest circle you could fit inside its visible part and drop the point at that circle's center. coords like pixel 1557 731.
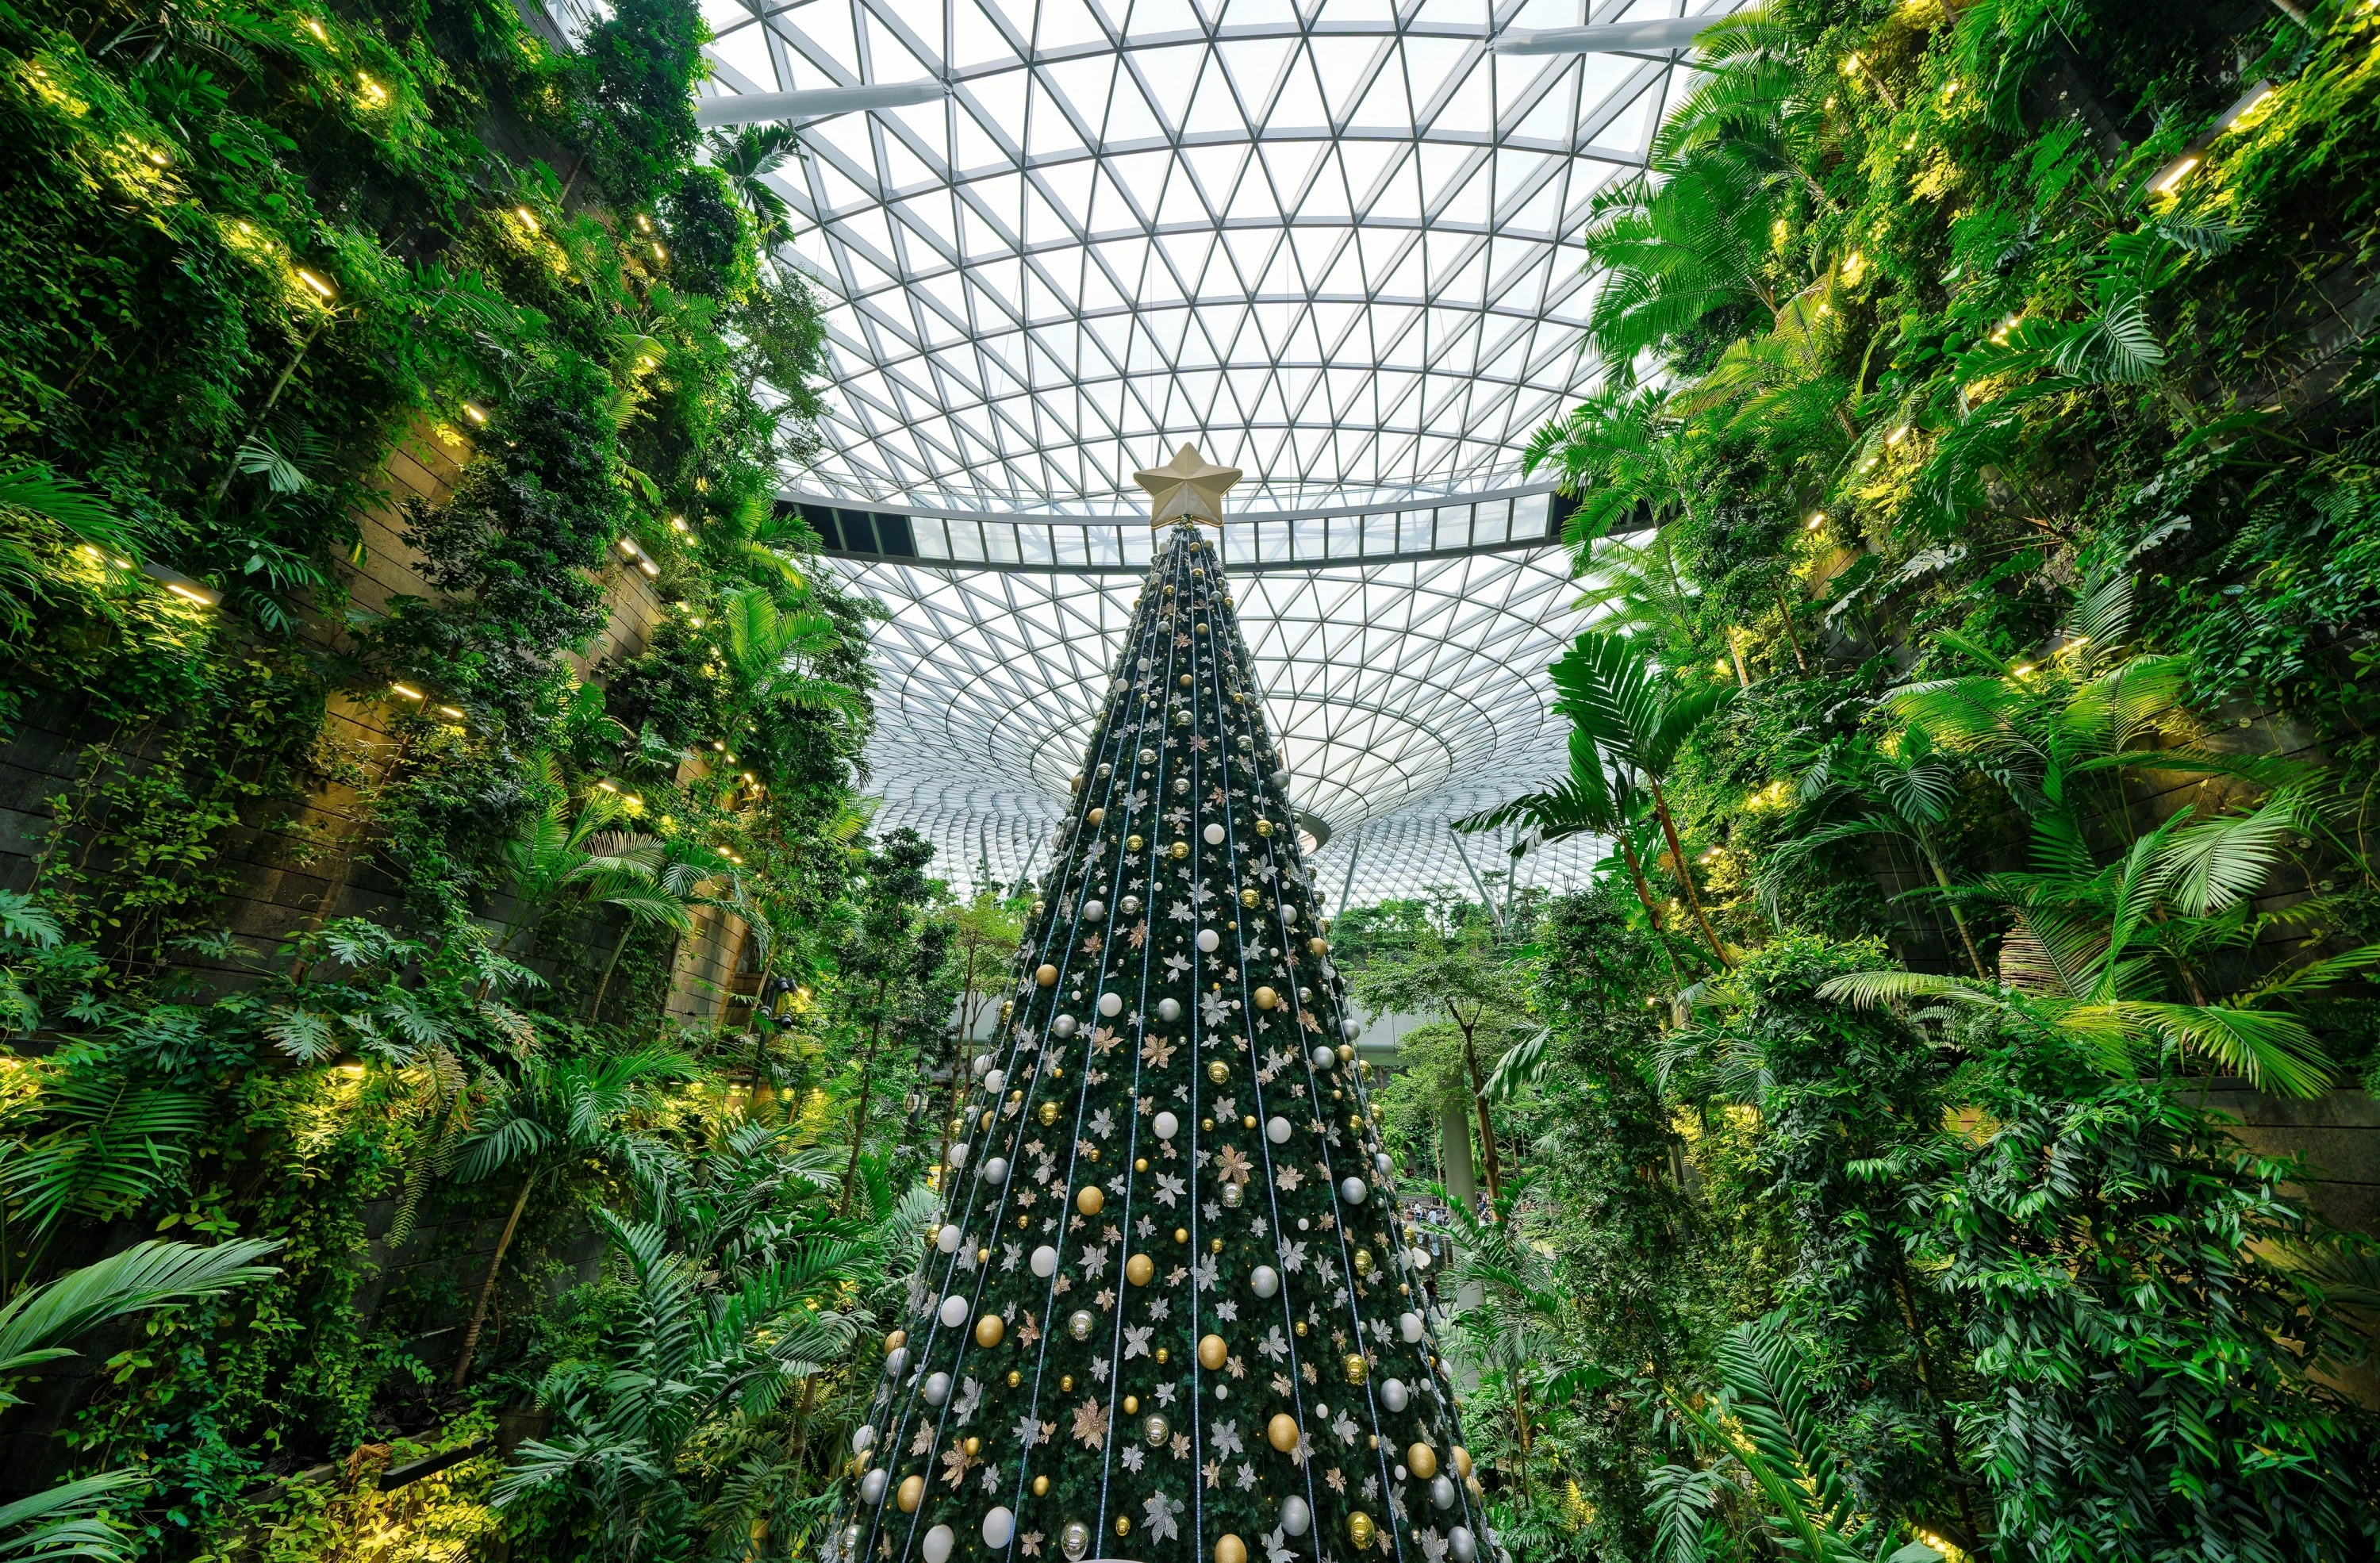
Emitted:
pixel 35 1326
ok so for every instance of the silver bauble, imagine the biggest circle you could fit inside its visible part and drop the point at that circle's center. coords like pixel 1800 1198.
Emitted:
pixel 1296 1516
pixel 1441 1492
pixel 1460 1542
pixel 1045 1261
pixel 871 1487
pixel 1075 1541
pixel 1209 941
pixel 1264 1280
pixel 936 1389
pixel 1393 1394
pixel 1080 1324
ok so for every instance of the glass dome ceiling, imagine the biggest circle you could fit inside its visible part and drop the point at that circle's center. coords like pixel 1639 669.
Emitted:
pixel 1328 241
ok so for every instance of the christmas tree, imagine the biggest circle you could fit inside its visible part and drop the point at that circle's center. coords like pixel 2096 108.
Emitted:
pixel 1166 1314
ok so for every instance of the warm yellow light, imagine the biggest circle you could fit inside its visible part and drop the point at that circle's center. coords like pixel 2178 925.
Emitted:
pixel 192 593
pixel 450 711
pixel 2174 175
pixel 659 253
pixel 123 563
pixel 644 224
pixel 320 286
pixel 475 412
pixel 528 218
pixel 647 565
pixel 607 786
pixel 372 90
pixel 316 28
pixel 1718 667
pixel 88 552
pixel 1818 519
pixel 2022 669
pixel 1896 435
pixel 406 690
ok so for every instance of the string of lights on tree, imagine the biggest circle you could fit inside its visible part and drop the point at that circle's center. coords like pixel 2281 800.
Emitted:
pixel 1168 1312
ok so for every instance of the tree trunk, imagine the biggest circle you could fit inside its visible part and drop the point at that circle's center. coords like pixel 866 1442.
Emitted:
pixel 1958 918
pixel 860 1118
pixel 487 1286
pixel 595 1011
pixel 1686 873
pixel 1645 896
pixel 1792 637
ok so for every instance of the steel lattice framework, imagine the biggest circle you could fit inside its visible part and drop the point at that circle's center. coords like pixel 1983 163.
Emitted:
pixel 1328 241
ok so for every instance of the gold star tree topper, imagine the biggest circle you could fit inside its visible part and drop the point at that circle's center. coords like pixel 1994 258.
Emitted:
pixel 1189 485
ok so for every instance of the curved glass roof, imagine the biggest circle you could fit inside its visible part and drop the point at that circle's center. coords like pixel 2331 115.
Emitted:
pixel 1327 241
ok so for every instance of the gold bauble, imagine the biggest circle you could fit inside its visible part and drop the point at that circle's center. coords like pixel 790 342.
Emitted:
pixel 1016 1378
pixel 1139 1270
pixel 895 1340
pixel 1230 1548
pixel 1317 947
pixel 1132 1405
pixel 1248 898
pixel 1218 1071
pixel 988 1330
pixel 1213 1353
pixel 1462 1462
pixel 1356 1367
pixel 1134 843
pixel 1066 1383
pixel 1140 1164
pixel 1422 1460
pixel 1046 975
pixel 1346 1052
pixel 1266 998
pixel 975 1445
pixel 1123 1526
pixel 1041 1486
pixel 1008 1010
pixel 1163 1356
pixel 1091 1201
pixel 1047 1113
pixel 1363 1261
pixel 1180 850
pixel 1248 1120
pixel 1098 815
pixel 1181 1234
pixel 1264 827
pixel 1281 1433
pixel 1359 1530
pixel 912 1493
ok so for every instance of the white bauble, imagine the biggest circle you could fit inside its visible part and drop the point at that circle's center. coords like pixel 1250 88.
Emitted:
pixel 1392 1394
pixel 1323 1059
pixel 863 1439
pixel 1214 834
pixel 1168 1010
pixel 1351 1028
pixel 895 1360
pixel 1418 1258
pixel 1296 1516
pixel 1354 1191
pixel 1288 914
pixel 996 1081
pixel 1209 941
pixel 995 1171
pixel 1280 777
pixel 1111 1004
pixel 1277 1130
pixel 1094 910
pixel 1167 1126
pixel 1441 1493
pixel 1063 1026
pixel 936 1389
pixel 955 1312
pixel 1380 1163
pixel 959 1154
pixel 947 1239
pixel 998 1526
pixel 1264 1280
pixel 982 1063
pixel 1409 1325
pixel 872 1486
pixel 939 1542
pixel 1459 1541
pixel 1045 1261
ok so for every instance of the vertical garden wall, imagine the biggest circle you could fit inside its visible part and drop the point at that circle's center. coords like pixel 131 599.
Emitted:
pixel 1947 1129
pixel 440 940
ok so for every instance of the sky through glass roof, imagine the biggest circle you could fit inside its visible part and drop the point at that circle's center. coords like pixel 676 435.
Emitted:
pixel 1332 243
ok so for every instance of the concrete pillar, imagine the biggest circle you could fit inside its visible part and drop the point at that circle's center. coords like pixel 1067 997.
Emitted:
pixel 1454 1152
